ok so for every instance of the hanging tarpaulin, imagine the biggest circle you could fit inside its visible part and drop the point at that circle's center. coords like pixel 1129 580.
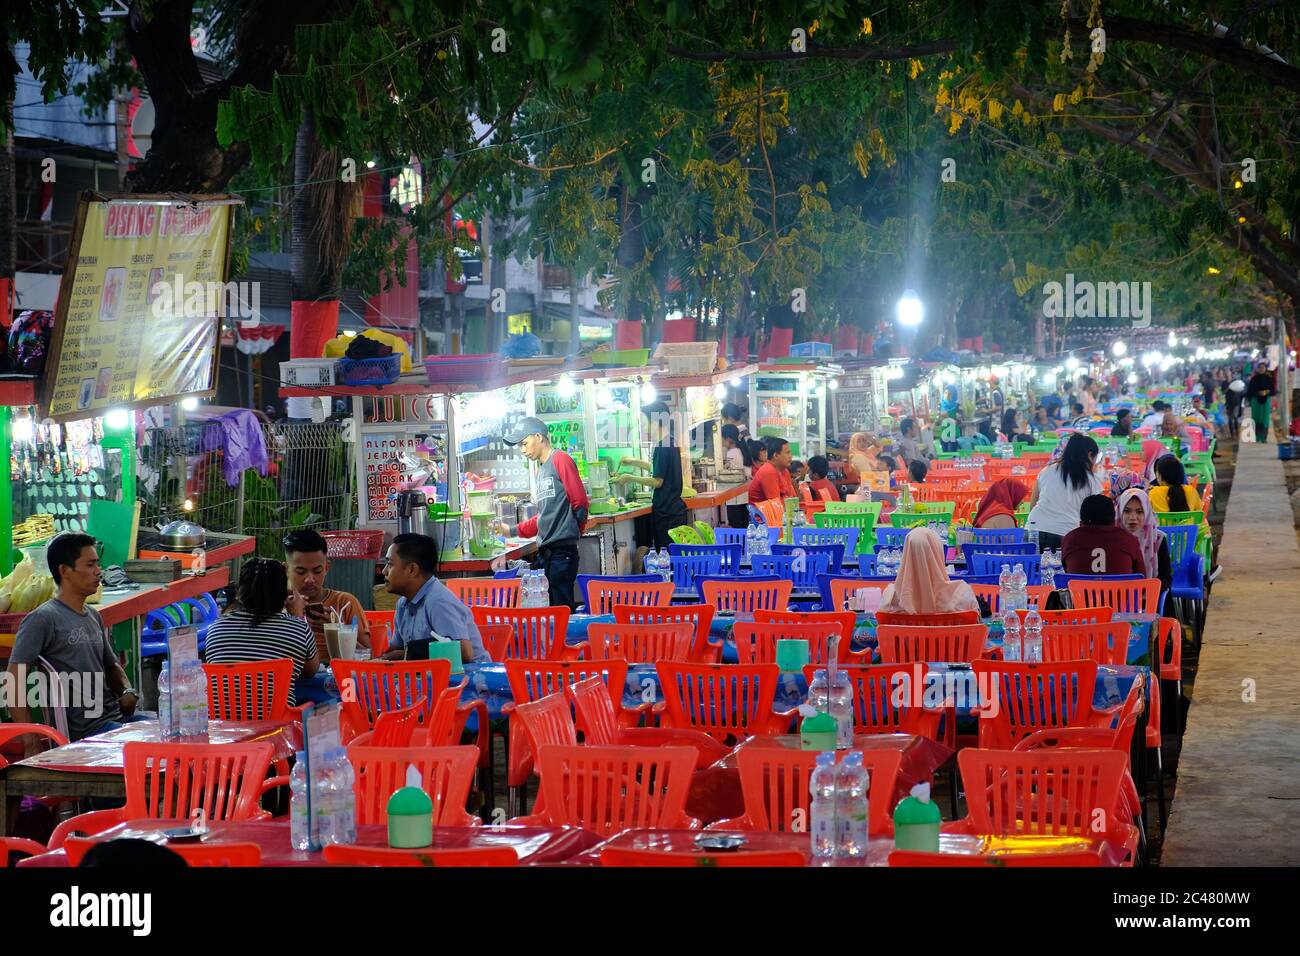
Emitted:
pixel 257 339
pixel 141 303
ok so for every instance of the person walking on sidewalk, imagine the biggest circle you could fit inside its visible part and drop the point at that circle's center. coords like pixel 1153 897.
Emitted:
pixel 1261 390
pixel 561 509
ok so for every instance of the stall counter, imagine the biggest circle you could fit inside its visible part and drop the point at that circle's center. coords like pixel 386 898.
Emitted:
pixel 516 548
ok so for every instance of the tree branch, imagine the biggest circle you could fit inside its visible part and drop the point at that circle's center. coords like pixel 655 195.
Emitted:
pixel 875 54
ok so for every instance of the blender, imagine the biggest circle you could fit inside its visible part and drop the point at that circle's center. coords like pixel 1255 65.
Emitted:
pixel 483 517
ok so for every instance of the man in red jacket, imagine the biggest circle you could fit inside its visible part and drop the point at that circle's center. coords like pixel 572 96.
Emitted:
pixel 561 509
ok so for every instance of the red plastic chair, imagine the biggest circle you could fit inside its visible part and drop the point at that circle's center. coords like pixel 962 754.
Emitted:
pixel 547 721
pixel 10 732
pixel 756 643
pixel 11 845
pixel 532 680
pixel 393 728
pixel 639 643
pixel 1070 616
pixel 774 781
pixel 1061 792
pixel 604 596
pixel 485 592
pixel 174 781
pixel 748 597
pixel 944 860
pixel 427 857
pixel 846 620
pixel 722 700
pixel 1125 597
pixel 496 639
pixel 254 690
pixel 992 595
pixel 610 789
pixel 446 774
pixel 368 688
pixel 381 626
pixel 599 725
pixel 700 616
pixel 537 633
pixel 194 854
pixel 905 643
pixel 624 856
pixel 844 588
pixel 890 699
pixel 1033 697
pixel 1103 643
pixel 955 619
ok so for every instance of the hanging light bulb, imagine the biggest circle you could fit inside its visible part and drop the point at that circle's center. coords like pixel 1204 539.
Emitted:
pixel 735 381
pixel 565 387
pixel 648 393
pixel 117 418
pixel 604 397
pixel 833 384
pixel 23 430
pixel 189 403
pixel 910 309
pixel 1072 363
pixel 1132 378
pixel 1119 349
pixel 1173 340
pixel 720 391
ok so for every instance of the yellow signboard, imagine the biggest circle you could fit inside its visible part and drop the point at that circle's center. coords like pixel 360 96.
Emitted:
pixel 140 304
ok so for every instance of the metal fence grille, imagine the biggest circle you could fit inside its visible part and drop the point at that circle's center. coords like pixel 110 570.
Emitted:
pixel 310 481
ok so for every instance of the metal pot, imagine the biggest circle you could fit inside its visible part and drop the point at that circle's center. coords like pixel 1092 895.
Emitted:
pixel 525 511
pixel 182 534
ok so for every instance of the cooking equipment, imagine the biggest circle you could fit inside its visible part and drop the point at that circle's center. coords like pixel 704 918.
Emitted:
pixel 182 534
pixel 412 506
pixel 525 511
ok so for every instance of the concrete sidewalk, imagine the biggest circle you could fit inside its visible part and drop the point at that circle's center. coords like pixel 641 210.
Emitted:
pixel 1237 801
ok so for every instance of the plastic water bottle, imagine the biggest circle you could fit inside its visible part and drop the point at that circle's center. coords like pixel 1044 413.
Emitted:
pixel 191 696
pixel 299 819
pixel 821 809
pixel 324 802
pixel 665 565
pixel 1033 646
pixel 1010 635
pixel 851 791
pixel 1048 567
pixel 1019 582
pixel 166 729
pixel 543 590
pixel 840 706
pixel 1004 588
pixel 819 692
pixel 345 801
pixel 1031 537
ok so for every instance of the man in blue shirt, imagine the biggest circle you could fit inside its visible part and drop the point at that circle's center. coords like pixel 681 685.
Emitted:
pixel 424 603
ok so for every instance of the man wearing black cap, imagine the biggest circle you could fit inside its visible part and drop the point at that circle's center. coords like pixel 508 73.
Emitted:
pixel 561 509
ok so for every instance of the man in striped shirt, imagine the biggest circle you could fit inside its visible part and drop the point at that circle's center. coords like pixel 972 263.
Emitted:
pixel 266 624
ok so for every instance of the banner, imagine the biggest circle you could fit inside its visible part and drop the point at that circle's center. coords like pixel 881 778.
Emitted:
pixel 140 304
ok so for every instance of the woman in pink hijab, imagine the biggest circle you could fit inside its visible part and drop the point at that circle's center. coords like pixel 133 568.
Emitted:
pixel 923 586
pixel 1133 513
pixel 1151 450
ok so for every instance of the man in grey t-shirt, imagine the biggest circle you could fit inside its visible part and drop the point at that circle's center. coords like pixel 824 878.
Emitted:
pixel 73 640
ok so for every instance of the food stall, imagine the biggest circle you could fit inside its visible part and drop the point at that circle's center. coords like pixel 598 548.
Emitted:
pixel 860 398
pixel 788 400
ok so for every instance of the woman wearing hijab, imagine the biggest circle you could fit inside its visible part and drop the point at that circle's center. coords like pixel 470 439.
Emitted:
pixel 1136 516
pixel 923 586
pixel 1152 449
pixel 1261 389
pixel 997 509
pixel 1171 426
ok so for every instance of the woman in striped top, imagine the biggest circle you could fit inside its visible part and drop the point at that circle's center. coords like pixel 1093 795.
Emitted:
pixel 260 629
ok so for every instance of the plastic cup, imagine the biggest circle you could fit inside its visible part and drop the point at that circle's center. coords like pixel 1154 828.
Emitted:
pixel 347 641
pixel 332 640
pixel 449 651
pixel 792 655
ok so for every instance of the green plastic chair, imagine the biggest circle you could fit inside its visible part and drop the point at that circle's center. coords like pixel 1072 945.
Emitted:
pixel 854 508
pixel 947 455
pixel 910 519
pixel 1204 542
pixel 864 521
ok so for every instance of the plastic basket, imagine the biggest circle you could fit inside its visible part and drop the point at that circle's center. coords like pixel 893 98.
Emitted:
pixel 307 373
pixel 688 358
pixel 9 623
pixel 371 371
pixel 811 350
pixel 441 369
pixel 360 543
pixel 622 358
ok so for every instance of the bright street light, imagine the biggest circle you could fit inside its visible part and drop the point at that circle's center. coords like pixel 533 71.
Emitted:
pixel 1173 340
pixel 189 403
pixel 910 309
pixel 565 387
pixel 1072 363
pixel 117 418
pixel 1119 348
pixel 648 393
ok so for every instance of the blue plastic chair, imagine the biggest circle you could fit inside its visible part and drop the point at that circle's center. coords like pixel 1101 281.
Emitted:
pixel 997 535
pixel 1024 549
pixel 978 578
pixel 201 610
pixel 1188 573
pixel 986 563
pixel 731 553
pixel 688 567
pixel 782 565
pixel 734 536
pixel 501 575
pixel 846 538
pixel 890 537
pixel 584 579
pixel 824 586
pixel 867 564
pixel 833 552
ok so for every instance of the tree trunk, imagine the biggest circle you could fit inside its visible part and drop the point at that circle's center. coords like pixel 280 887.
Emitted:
pixel 315 307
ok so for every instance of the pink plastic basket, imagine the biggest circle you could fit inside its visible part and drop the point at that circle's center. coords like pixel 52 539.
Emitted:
pixel 360 543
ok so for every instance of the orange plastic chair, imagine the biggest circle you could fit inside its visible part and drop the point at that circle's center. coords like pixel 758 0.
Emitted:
pixel 445 775
pixel 194 854
pixel 1169 640
pixel 992 595
pixel 369 688
pixel 748 597
pixel 698 615
pixel 774 781
pixel 381 625
pixel 905 643
pixel 847 620
pixel 773 512
pixel 844 588
pixel 254 690
pixel 547 721
pixel 722 700
pixel 393 728
pixel 625 856
pixel 486 592
pixel 1033 696
pixel 1125 597
pixel 604 596
pixel 599 725
pixel 640 642
pixel 1043 792
pixel 532 680
pixel 610 789
pixel 1078 615
pixel 174 781
pixel 426 857
pixel 10 845
pixel 536 632
pixel 918 858
pixel 955 619
pixel 496 639
pixel 756 643
pixel 1103 643
pixel 877 692
pixel 449 716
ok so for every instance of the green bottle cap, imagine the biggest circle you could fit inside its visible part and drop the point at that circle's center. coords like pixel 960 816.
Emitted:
pixel 917 808
pixel 410 819
pixel 409 802
pixel 817 732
